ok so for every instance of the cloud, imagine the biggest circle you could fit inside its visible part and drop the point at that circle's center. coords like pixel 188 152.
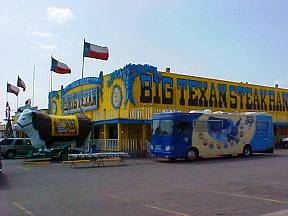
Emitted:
pixel 4 20
pixel 33 31
pixel 44 46
pixel 41 34
pixel 48 47
pixel 281 83
pixel 60 15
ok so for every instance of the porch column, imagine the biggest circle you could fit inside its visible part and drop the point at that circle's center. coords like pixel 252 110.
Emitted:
pixel 144 137
pixel 119 130
pixel 106 131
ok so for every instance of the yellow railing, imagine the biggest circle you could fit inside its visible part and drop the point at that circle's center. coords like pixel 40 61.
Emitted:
pixel 134 147
pixel 135 113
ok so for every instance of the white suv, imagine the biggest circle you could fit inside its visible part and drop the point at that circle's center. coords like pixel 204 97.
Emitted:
pixel 0 161
pixel 284 142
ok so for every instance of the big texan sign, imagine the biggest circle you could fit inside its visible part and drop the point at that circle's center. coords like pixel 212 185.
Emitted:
pixel 199 92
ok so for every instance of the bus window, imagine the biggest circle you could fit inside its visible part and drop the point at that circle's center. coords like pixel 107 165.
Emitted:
pixel 200 126
pixel 162 127
pixel 215 126
pixel 262 125
pixel 183 128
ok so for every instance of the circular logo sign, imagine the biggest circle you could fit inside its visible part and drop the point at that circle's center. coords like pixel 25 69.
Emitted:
pixel 116 97
pixel 53 108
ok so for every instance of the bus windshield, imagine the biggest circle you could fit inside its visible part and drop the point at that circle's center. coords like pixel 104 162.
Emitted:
pixel 162 127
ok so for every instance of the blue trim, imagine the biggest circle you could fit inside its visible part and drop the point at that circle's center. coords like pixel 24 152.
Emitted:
pixel 128 75
pixel 51 95
pixel 280 123
pixel 84 81
pixel 100 81
pixel 121 121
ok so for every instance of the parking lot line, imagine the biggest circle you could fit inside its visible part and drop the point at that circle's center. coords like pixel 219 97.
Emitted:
pixel 23 209
pixel 20 167
pixel 277 183
pixel 148 205
pixel 237 195
pixel 166 210
pixel 278 213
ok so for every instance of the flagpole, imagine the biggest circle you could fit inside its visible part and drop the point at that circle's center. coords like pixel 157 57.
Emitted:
pixel 83 60
pixel 6 93
pixel 6 101
pixel 81 103
pixel 17 102
pixel 51 81
pixel 51 76
pixel 33 83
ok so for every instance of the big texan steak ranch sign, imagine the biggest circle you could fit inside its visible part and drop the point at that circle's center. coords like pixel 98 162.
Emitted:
pixel 211 93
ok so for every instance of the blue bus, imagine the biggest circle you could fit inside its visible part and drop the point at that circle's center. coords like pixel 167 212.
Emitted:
pixel 206 134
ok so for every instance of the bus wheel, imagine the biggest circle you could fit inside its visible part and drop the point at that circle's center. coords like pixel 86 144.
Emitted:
pixel 247 151
pixel 192 154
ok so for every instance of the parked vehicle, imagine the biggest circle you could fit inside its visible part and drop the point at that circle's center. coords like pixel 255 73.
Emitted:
pixel 284 142
pixel 206 134
pixel 10 147
pixel 0 161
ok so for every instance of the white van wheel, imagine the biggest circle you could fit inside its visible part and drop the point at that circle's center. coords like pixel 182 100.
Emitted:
pixel 192 155
pixel 247 151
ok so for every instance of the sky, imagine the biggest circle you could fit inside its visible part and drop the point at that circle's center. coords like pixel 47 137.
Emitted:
pixel 242 41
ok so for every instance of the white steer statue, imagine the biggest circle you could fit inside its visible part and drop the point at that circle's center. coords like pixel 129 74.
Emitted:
pixel 47 131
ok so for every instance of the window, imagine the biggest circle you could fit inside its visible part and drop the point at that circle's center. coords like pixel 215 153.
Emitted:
pixel 19 142
pixel 200 126
pixel 211 126
pixel 6 142
pixel 262 125
pixel 163 127
pixel 215 126
pixel 183 128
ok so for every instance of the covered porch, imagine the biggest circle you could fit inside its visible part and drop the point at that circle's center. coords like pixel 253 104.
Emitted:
pixel 130 136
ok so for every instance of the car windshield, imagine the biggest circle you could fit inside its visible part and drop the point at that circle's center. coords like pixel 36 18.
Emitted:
pixel 6 142
pixel 163 127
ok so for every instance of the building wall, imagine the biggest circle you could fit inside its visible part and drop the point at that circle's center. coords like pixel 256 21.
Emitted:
pixel 136 92
pixel 128 88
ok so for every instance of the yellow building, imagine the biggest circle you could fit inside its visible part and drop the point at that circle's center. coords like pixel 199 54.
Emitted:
pixel 122 103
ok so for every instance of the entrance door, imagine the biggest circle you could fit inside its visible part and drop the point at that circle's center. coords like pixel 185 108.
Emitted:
pixel 96 133
pixel 113 132
pixel 262 138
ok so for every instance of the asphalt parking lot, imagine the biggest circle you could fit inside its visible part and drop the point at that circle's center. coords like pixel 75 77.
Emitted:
pixel 221 186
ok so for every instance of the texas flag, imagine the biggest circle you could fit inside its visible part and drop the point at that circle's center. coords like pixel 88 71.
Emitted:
pixel 59 67
pixel 20 83
pixel 95 51
pixel 12 89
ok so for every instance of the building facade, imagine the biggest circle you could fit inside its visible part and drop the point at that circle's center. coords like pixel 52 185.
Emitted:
pixel 122 103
